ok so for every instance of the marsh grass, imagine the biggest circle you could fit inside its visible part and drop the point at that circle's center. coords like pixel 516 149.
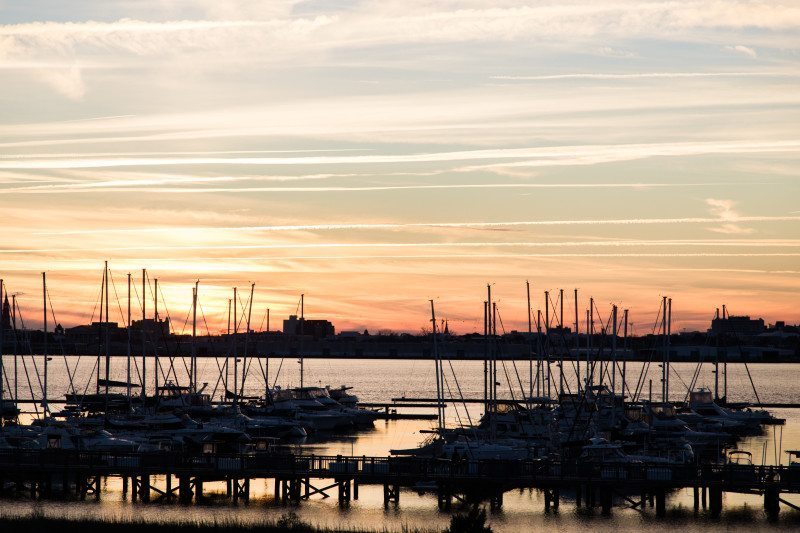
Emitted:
pixel 37 522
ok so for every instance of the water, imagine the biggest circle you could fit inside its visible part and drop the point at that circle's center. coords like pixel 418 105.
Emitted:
pixel 381 380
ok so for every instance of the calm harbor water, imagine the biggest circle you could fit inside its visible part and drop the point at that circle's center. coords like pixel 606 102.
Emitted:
pixel 381 380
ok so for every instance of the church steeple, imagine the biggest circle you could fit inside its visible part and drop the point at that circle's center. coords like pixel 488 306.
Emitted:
pixel 5 316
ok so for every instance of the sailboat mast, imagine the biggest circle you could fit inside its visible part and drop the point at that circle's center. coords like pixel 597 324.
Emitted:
pixel 105 341
pixel 228 351
pixel 591 341
pixel 716 361
pixel 14 345
pixel 439 389
pixel 158 336
pixel 128 369
pixel 577 344
pixel 193 362
pixel 530 342
pixel 2 327
pixel 485 357
pixel 669 340
pixel 624 351
pixel 539 367
pixel 725 360
pixel 664 348
pixel 100 339
pixel 614 352
pixel 144 352
pixel 44 350
pixel 235 350
pixel 302 334
pixel 561 351
pixel 247 336
pixel 489 377
pixel 494 357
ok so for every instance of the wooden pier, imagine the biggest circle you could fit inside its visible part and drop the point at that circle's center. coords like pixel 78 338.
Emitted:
pixel 58 473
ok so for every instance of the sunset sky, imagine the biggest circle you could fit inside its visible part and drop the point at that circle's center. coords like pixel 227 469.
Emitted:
pixel 376 155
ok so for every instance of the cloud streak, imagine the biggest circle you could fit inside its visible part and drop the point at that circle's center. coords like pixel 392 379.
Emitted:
pixel 581 154
pixel 648 75
pixel 412 225
pixel 487 244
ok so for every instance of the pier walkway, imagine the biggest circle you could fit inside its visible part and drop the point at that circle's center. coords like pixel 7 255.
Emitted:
pixel 77 474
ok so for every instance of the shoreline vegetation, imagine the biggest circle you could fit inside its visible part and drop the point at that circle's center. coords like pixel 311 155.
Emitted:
pixel 38 522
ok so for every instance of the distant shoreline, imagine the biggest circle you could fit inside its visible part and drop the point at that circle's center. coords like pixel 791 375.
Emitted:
pixel 381 357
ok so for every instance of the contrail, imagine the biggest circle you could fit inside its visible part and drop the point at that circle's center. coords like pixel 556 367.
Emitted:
pixel 603 152
pixel 645 75
pixel 409 225
pixel 536 244
pixel 205 152
pixel 124 186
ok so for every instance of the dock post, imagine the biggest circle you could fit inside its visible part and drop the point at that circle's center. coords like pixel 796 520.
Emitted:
pixel 556 498
pixel 606 501
pixel 184 490
pixel 228 491
pixel 772 505
pixel 198 490
pixel 247 490
pixel 661 503
pixel 145 490
pixel 715 501
pixel 134 488
pixel 277 491
pixel 578 496
pixel 124 487
pixel 704 497
pixel 355 490
pixel 546 500
pixel 97 482
pixel 444 498
pixel 696 492
pixel 168 491
pixel 496 502
pixel 344 492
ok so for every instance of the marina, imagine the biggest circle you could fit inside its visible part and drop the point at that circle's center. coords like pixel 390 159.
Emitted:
pixel 586 431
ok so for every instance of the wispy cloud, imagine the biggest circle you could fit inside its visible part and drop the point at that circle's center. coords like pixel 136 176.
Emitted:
pixel 545 156
pixel 482 244
pixel 145 186
pixel 724 210
pixel 476 224
pixel 744 50
pixel 649 75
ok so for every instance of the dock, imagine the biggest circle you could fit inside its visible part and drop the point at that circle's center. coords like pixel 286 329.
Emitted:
pixel 56 473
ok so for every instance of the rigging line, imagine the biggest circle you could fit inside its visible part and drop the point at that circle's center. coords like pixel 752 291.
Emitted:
pixel 263 318
pixel 460 394
pixel 513 361
pixel 746 366
pixel 696 375
pixel 278 373
pixel 30 385
pixel 646 367
pixel 95 366
pixel 450 393
pixel 61 345
pixel 134 359
pixel 123 319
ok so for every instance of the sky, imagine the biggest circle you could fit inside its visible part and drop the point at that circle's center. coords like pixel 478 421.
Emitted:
pixel 376 155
